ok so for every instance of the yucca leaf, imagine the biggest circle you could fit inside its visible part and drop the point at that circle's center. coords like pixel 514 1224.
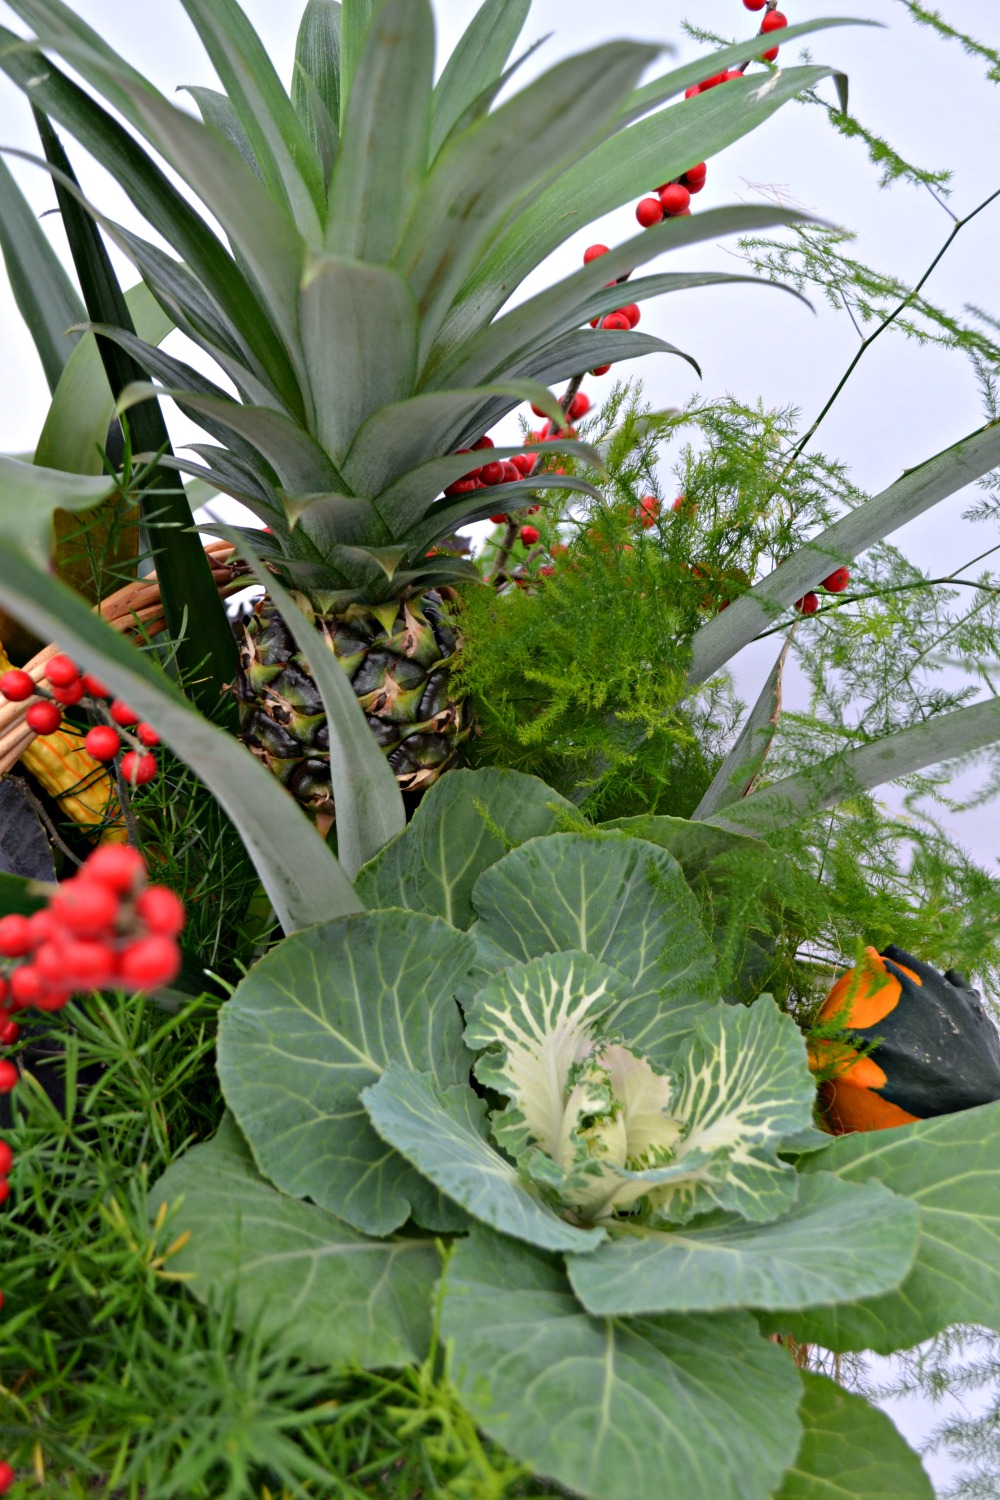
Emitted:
pixel 359 341
pixel 286 156
pixel 919 489
pixel 303 879
pixel 384 139
pixel 46 298
pixel 480 175
pixel 166 209
pixel 621 168
pixel 741 767
pixel 356 17
pixel 941 738
pixel 366 794
pixel 476 62
pixel 317 58
pixel 217 112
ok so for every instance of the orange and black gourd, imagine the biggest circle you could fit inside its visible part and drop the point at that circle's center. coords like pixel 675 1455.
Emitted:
pixel 930 1048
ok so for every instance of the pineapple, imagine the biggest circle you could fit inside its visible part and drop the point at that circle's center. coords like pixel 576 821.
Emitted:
pixel 377 224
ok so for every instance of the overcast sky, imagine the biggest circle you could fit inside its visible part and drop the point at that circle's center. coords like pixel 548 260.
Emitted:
pixel 929 99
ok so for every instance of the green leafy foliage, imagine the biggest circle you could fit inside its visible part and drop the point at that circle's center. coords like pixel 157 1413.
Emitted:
pixel 849 1447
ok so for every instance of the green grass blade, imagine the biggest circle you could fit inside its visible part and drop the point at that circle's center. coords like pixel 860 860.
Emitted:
pixel 316 77
pixel 384 139
pixel 280 143
pixel 46 298
pixel 366 794
pixel 919 489
pixel 356 17
pixel 304 881
pixel 476 63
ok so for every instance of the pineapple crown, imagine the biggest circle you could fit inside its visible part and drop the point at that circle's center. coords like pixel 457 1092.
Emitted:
pixel 378 224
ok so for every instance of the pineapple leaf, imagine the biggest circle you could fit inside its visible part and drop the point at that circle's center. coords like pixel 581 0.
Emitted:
pixel 919 489
pixel 238 304
pixel 583 349
pixel 284 151
pixel 176 372
pixel 303 879
pixel 316 78
pixel 217 112
pixel 741 767
pixel 444 519
pixel 476 63
pixel 325 132
pixel 46 298
pixel 560 115
pixel 359 339
pixel 356 17
pixel 944 737
pixel 384 140
pixel 369 803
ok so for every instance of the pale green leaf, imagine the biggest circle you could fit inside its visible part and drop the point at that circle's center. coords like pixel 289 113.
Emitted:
pixel 616 1410
pixel 300 1277
pixel 46 298
pixel 317 58
pixel 850 1451
pixel 443 1133
pixel 622 901
pixel 32 494
pixel 735 777
pixel 355 18
pixel 217 112
pixel 867 1235
pixel 318 1018
pixel 465 823
pixel 476 62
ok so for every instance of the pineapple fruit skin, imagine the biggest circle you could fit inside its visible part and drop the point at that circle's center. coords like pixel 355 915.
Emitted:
pixel 399 657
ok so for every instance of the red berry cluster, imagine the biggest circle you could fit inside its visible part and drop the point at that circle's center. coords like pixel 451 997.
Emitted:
pixel 673 199
pixel 835 584
pixel 493 472
pixel 71 688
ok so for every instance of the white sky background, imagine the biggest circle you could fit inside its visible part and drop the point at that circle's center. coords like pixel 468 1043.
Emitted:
pixel 904 404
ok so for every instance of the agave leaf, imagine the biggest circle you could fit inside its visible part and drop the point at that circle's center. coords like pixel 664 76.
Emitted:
pixel 46 298
pixel 476 62
pixel 383 149
pixel 941 738
pixel 735 777
pixel 559 116
pixel 623 166
pixel 317 59
pixel 154 196
pixel 217 112
pixel 919 489
pixel 359 340
pixel 303 879
pixel 285 154
pixel 355 18
pixel 366 794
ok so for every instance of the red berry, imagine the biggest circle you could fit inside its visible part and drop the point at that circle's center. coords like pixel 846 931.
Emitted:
pixel 578 407
pixel 53 996
pixel 730 75
pixel 524 463
pixel 161 910
pixel 537 410
pixel 7 1477
pixel 42 925
pixel 755 4
pixel 85 907
pixel 116 865
pixel 649 212
pixel 70 694
pixel 138 769
pixel 675 198
pixel 122 714
pixel 8 1076
pixel 4 1195
pixel 6 1159
pixel 600 369
pixel 50 964
pixel 694 89
pixel 511 473
pixel 491 473
pixel 90 965
pixel 592 252
pixel 769 55
pixel 632 313
pixel 616 322
pixel 680 503
pixel 500 520
pixel 546 572
pixel 483 442
pixel 694 178
pixel 837 581
pixel 9 1032
pixel 15 936
pixel 150 962
pixel 61 672
pixel 530 535
pixel 16 685
pixel 95 687
pixel 102 742
pixel 44 718
pixel 649 509
pixel 459 487
pixel 773 21
pixel 808 604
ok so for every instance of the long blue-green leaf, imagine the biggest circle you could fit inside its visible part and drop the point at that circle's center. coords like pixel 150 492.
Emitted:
pixel 154 196
pixel 359 341
pixel 919 489
pixel 383 148
pixel 316 77
pixel 735 777
pixel 46 298
pixel 356 17
pixel 303 879
pixel 175 372
pixel 475 63
pixel 280 143
pixel 366 794
pixel 218 113
pixel 480 175
pixel 942 738
pixel 585 293
pixel 441 521
pixel 655 149
pixel 577 352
